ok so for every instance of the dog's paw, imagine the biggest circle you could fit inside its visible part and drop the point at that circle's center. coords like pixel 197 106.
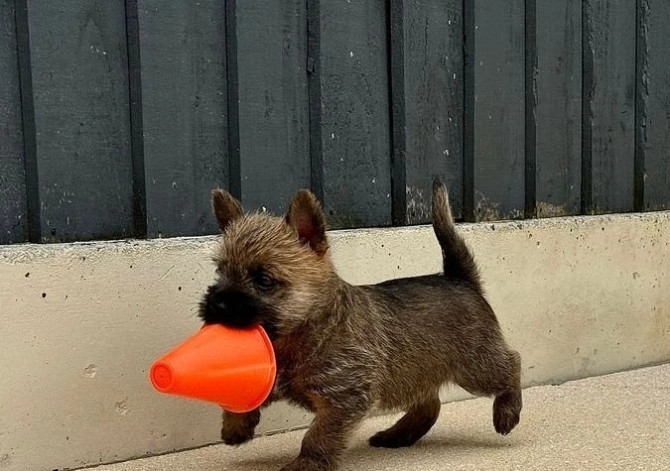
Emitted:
pixel 305 464
pixel 506 410
pixel 388 439
pixel 239 428
pixel 236 436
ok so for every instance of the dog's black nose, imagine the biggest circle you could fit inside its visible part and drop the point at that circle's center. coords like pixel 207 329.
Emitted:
pixel 219 301
pixel 229 307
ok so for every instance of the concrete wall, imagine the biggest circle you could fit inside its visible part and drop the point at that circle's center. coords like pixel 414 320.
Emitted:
pixel 82 322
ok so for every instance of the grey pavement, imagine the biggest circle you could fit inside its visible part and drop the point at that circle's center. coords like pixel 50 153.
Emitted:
pixel 620 421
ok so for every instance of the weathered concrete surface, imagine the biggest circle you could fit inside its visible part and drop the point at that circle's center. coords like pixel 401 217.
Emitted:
pixel 620 421
pixel 81 323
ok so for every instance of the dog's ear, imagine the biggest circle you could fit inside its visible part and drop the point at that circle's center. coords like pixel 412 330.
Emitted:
pixel 226 208
pixel 306 217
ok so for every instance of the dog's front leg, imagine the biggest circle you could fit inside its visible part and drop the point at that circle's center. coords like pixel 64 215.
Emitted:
pixel 239 428
pixel 326 438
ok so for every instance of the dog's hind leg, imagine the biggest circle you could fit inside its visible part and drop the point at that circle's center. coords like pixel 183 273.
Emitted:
pixel 416 422
pixel 496 375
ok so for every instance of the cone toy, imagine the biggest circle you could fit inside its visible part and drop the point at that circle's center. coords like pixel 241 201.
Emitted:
pixel 232 367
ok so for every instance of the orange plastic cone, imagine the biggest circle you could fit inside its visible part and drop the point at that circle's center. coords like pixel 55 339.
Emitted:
pixel 231 367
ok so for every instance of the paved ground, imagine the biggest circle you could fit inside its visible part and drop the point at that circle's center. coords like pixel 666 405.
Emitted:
pixel 620 421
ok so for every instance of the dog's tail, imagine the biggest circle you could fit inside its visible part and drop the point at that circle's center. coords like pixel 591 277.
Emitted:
pixel 457 259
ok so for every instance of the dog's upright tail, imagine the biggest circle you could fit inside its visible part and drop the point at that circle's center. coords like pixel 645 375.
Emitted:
pixel 457 259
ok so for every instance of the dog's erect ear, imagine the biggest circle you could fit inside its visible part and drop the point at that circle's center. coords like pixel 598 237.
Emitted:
pixel 306 217
pixel 226 208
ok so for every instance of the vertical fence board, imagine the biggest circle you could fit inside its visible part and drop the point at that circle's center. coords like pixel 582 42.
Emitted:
pixel 654 87
pixel 469 60
pixel 397 69
pixel 499 160
pixel 13 213
pixel 355 132
pixel 184 113
pixel 433 95
pixel 80 84
pixel 135 115
pixel 273 101
pixel 559 85
pixel 530 108
pixel 610 97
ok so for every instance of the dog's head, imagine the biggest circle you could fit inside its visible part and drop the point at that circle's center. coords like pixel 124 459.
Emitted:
pixel 271 271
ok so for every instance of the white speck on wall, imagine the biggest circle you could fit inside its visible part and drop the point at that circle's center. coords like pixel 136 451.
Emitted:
pixel 174 185
pixel 374 180
pixel 122 407
pixel 481 63
pixel 90 371
pixel 351 53
pixel 445 152
pixel 341 159
pixel 264 209
pixel 490 117
pixel 454 76
pixel 332 135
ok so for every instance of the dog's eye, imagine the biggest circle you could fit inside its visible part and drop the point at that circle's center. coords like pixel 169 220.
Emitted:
pixel 265 282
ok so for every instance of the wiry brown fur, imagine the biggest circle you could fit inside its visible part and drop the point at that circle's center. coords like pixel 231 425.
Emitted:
pixel 341 348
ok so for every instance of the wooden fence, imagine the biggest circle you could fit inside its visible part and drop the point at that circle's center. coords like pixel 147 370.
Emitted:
pixel 118 117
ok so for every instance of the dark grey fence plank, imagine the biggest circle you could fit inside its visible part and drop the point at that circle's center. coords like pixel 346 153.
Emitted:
pixel 80 83
pixel 610 100
pixel 499 160
pixel 433 103
pixel 355 133
pixel 273 101
pixel 654 88
pixel 136 124
pixel 559 99
pixel 530 108
pixel 13 213
pixel 184 113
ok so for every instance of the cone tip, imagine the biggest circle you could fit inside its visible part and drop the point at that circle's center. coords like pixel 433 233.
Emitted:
pixel 161 377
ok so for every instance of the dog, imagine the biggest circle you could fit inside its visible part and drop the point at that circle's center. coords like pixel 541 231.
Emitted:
pixel 342 349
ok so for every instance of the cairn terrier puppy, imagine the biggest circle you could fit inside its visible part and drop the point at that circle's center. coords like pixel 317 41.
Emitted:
pixel 340 348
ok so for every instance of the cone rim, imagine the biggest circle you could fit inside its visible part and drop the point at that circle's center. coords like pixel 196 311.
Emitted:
pixel 162 377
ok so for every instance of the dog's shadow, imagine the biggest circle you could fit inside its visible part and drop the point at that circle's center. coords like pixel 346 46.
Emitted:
pixel 360 452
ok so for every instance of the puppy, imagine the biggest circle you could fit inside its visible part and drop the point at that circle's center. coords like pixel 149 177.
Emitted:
pixel 340 348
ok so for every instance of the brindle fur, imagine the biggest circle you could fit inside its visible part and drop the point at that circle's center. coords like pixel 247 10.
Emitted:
pixel 341 348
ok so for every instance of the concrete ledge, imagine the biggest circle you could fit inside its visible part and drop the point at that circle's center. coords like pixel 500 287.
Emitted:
pixel 81 323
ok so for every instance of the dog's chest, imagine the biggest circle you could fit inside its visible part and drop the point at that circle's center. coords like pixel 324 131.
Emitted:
pixel 295 375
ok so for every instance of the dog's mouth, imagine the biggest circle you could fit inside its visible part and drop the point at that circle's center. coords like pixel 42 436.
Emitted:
pixel 236 310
